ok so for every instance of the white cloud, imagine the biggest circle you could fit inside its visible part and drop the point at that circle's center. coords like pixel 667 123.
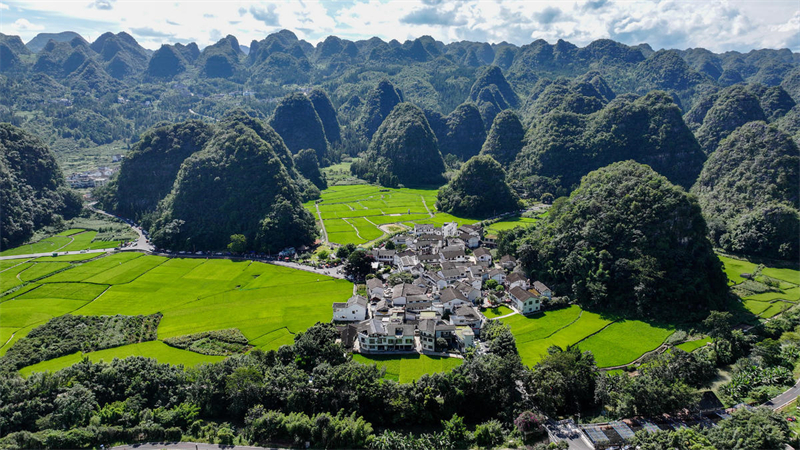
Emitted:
pixel 718 25
pixel 3 6
pixel 25 25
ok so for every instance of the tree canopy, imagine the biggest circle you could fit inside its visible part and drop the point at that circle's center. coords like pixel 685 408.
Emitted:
pixel 32 188
pixel 404 150
pixel 749 190
pixel 478 190
pixel 630 241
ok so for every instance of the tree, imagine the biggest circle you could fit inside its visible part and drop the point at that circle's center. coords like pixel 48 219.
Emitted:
pixel 564 382
pixel 238 243
pixel 400 277
pixel 489 434
pixel 629 241
pixel 719 326
pixel 358 264
pixel 318 345
pixel 490 284
pixel 500 339
pixel 456 431
pixel 390 245
pixel 478 189
pixel 345 250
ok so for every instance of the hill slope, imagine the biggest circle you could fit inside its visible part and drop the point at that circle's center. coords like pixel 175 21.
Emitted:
pixel 749 190
pixel 32 189
pixel 629 241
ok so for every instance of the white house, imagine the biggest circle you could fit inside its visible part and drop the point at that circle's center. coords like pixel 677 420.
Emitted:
pixel 482 254
pixel 517 279
pixel 508 262
pixel 384 256
pixel 430 330
pixel 498 275
pixel 465 338
pixel 453 254
pixel 478 272
pixel 469 291
pixel 472 240
pixel 526 302
pixel 375 288
pixel 450 229
pixel 354 310
pixel 544 290
pixel 403 239
pixel 401 292
pixel 375 336
pixel 452 298
pixel 407 263
pixel 467 315
pixel 424 228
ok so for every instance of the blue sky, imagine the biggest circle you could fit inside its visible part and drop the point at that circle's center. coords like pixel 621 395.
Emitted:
pixel 715 25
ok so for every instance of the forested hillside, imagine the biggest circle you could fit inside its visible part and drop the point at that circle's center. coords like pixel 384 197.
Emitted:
pixel 547 113
pixel 33 192
pixel 626 240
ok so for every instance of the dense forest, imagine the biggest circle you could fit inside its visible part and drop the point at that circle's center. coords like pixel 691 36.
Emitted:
pixel 626 240
pixel 547 113
pixel 195 185
pixel 313 392
pixel 33 192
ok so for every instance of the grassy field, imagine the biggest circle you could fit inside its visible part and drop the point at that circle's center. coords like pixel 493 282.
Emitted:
pixel 267 303
pixel 157 350
pixel 353 213
pixel 622 342
pixel 610 342
pixel 9 275
pixel 407 368
pixel 500 310
pixel 735 267
pixel 510 223
pixel 65 241
pixel 691 346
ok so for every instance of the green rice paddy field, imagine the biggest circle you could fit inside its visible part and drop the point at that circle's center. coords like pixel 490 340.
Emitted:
pixel 766 304
pixel 405 369
pixel 267 303
pixel 353 213
pixel 608 340
pixel 66 241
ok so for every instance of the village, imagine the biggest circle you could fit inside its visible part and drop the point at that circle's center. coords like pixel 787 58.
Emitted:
pixel 433 283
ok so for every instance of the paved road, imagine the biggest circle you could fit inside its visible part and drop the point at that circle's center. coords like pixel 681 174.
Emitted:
pixel 781 400
pixel 186 446
pixel 334 272
pixel 140 243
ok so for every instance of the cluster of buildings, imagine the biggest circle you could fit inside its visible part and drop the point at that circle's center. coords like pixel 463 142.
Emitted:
pixel 438 311
pixel 90 178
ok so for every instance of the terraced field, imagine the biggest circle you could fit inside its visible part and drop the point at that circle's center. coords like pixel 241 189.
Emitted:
pixel 267 303
pixel 610 341
pixel 354 213
pixel 765 304
pixel 66 241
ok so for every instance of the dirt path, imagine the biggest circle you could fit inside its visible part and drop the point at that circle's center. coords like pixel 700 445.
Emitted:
pixel 322 224
pixel 426 206
pixel 354 227
pixel 9 339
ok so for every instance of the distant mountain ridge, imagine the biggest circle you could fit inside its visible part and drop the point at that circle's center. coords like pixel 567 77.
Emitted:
pixel 36 44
